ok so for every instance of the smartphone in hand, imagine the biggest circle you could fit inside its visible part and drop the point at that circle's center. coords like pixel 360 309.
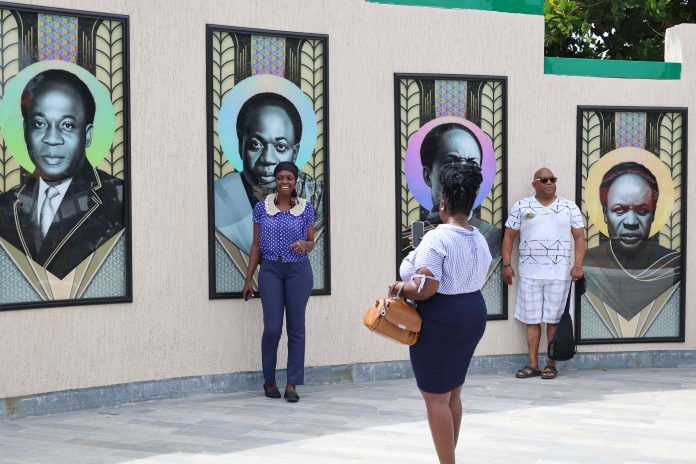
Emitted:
pixel 417 231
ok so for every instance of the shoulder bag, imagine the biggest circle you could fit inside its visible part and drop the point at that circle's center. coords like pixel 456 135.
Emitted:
pixel 562 346
pixel 395 319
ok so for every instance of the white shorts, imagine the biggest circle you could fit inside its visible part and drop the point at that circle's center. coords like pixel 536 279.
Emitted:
pixel 540 300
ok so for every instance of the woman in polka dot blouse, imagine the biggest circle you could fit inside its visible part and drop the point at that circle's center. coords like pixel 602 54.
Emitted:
pixel 283 235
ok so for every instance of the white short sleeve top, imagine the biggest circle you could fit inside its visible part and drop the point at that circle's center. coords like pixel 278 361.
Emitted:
pixel 546 241
pixel 458 258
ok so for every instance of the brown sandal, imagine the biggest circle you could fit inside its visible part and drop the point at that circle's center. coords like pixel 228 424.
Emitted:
pixel 527 371
pixel 550 372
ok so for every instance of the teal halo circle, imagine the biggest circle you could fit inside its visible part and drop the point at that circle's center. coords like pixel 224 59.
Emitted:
pixel 12 122
pixel 265 83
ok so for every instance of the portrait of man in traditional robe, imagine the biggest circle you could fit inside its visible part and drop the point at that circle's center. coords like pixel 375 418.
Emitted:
pixel 631 269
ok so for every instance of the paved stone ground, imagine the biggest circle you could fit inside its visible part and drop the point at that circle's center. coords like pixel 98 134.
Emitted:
pixel 627 416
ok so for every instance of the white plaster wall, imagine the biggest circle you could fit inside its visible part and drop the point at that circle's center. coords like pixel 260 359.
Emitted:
pixel 172 329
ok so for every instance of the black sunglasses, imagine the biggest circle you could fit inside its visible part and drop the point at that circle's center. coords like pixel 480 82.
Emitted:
pixel 546 180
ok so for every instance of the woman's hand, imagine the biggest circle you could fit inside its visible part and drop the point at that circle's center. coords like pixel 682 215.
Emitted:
pixel 302 246
pixel 248 290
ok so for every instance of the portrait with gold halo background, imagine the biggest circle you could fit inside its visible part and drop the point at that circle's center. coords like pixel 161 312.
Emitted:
pixel 445 118
pixel 267 103
pixel 64 170
pixel 630 189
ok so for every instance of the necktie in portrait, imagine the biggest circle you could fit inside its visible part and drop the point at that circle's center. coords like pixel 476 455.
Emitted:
pixel 47 210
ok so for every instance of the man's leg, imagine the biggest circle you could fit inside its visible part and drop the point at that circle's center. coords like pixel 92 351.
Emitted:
pixel 530 301
pixel 533 339
pixel 555 296
pixel 441 424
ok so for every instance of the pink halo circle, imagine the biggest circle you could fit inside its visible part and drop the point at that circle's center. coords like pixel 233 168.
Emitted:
pixel 413 168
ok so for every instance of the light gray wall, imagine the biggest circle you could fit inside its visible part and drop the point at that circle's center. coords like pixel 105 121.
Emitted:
pixel 172 329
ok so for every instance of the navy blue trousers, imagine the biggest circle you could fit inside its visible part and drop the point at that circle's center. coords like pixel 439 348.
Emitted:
pixel 285 289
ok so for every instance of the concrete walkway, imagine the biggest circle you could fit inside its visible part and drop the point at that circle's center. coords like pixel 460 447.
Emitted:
pixel 625 416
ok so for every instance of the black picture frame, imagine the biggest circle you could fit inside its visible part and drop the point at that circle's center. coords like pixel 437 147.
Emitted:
pixel 127 216
pixel 579 185
pixel 398 153
pixel 213 294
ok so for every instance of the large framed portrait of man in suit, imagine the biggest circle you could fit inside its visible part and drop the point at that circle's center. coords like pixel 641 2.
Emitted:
pixel 64 171
pixel 631 187
pixel 452 118
pixel 267 103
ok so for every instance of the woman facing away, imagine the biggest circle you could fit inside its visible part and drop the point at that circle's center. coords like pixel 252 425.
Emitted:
pixel 444 275
pixel 283 235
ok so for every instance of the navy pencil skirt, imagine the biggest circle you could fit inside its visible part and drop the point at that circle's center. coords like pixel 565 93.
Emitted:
pixel 452 327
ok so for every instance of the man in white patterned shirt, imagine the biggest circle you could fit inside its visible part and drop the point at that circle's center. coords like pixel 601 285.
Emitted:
pixel 549 228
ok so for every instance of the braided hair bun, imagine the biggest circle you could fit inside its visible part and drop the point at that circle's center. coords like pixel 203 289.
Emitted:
pixel 460 184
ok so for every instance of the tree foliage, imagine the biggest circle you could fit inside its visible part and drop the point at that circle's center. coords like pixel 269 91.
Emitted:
pixel 612 29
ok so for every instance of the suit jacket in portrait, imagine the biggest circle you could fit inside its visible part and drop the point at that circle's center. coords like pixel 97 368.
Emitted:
pixel 90 213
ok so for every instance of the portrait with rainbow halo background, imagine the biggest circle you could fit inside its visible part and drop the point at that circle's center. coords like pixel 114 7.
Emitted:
pixel 267 103
pixel 64 158
pixel 631 190
pixel 452 118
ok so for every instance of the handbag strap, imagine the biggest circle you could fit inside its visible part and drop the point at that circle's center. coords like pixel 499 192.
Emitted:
pixel 579 288
pixel 570 292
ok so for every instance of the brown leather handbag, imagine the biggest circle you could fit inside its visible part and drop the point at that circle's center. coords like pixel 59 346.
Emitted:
pixel 395 319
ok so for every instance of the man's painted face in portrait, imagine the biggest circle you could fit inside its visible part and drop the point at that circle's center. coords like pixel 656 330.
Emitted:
pixel 56 132
pixel 455 145
pixel 629 212
pixel 268 138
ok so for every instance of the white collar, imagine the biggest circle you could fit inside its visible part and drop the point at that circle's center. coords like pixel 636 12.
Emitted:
pixel 62 187
pixel 272 209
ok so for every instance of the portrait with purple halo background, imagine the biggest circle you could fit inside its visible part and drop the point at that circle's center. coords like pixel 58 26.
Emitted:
pixel 442 119
pixel 414 166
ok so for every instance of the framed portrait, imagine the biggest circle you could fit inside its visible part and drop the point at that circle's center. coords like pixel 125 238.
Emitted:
pixel 267 103
pixel 64 158
pixel 451 118
pixel 631 187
